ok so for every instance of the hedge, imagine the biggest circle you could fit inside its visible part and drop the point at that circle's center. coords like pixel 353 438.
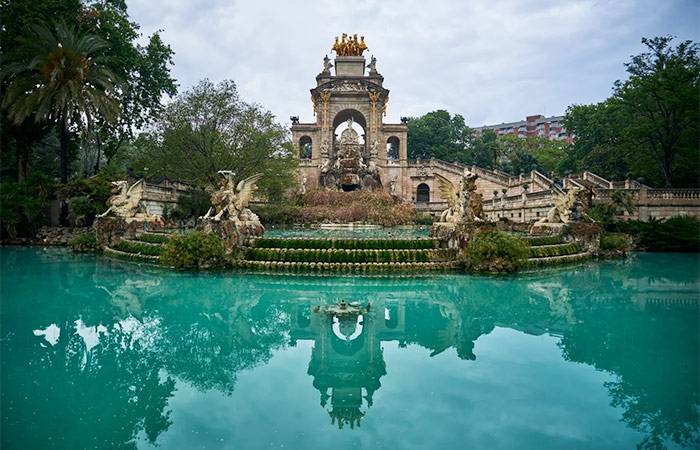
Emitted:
pixel 554 250
pixel 139 247
pixel 534 241
pixel 348 255
pixel 343 243
pixel 152 238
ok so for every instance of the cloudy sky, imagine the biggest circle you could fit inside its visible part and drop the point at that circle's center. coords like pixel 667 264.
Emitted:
pixel 491 61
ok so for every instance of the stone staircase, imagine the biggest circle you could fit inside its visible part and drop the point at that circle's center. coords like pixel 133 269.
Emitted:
pixel 552 250
pixel 146 247
pixel 347 255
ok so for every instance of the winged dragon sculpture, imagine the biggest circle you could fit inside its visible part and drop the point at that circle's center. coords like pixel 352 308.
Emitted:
pixel 464 203
pixel 126 201
pixel 231 200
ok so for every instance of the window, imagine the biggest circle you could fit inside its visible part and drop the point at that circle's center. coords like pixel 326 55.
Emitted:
pixel 423 193
pixel 392 148
pixel 305 148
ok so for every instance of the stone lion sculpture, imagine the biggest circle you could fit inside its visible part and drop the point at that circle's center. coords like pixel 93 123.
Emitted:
pixel 126 200
pixel 231 200
pixel 464 203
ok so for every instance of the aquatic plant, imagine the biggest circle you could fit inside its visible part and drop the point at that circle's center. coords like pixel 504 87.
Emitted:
pixel 195 250
pixel 495 251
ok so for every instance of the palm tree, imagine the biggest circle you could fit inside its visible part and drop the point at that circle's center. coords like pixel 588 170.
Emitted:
pixel 60 77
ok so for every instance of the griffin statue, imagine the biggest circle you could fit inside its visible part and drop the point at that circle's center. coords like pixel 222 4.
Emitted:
pixel 569 206
pixel 126 201
pixel 231 201
pixel 464 203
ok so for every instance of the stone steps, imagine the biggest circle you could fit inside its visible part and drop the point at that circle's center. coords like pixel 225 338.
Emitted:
pixel 347 244
pixel 293 267
pixel 558 260
pixel 536 241
pixel 543 251
pixel 349 255
pixel 114 253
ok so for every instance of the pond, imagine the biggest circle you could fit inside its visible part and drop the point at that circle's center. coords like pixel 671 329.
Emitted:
pixel 103 354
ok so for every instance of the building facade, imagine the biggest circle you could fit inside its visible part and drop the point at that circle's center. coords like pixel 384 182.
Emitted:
pixel 537 125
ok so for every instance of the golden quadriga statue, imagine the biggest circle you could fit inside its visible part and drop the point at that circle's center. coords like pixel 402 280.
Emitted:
pixel 229 216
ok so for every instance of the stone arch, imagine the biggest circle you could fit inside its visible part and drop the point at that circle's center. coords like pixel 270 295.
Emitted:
pixel 358 119
pixel 345 114
pixel 423 193
pixel 305 148
pixel 392 148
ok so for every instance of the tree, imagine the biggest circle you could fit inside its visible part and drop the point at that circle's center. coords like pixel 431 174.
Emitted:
pixel 57 76
pixel 440 135
pixel 209 128
pixel 662 96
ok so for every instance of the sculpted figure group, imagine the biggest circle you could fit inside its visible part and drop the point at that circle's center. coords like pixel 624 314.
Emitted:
pixel 126 200
pixel 568 206
pixel 464 203
pixel 231 200
pixel 349 47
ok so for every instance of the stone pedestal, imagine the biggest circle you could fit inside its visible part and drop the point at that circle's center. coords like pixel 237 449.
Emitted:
pixel 111 230
pixel 350 66
pixel 549 229
pixel 458 235
pixel 235 233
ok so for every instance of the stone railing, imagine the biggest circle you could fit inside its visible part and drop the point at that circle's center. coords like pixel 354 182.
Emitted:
pixel 672 194
pixel 595 179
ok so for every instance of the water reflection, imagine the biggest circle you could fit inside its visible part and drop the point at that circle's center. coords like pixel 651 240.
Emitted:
pixel 101 344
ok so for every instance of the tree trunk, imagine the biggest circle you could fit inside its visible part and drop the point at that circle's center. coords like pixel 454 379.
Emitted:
pixel 63 217
pixel 99 151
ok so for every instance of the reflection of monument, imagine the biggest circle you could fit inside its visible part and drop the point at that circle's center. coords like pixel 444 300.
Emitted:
pixel 347 361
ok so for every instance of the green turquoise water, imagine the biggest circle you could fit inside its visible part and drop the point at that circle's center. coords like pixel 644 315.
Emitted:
pixel 110 355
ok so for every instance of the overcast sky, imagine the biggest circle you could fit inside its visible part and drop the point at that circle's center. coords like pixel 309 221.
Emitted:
pixel 490 61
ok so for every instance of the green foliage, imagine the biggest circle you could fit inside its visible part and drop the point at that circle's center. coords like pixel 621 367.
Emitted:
pixel 542 240
pixel 152 238
pixel 677 234
pixel 195 250
pixel 347 255
pixel 553 250
pixel 559 260
pixel 139 247
pixel 83 242
pixel 649 128
pixel 278 213
pixel 609 241
pixel 495 251
pixel 23 204
pixel 88 197
pixel 307 243
pixel 619 202
pixel 194 202
pixel 60 75
pixel 440 135
pixel 209 128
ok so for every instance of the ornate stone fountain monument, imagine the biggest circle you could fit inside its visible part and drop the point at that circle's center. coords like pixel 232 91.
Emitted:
pixel 354 95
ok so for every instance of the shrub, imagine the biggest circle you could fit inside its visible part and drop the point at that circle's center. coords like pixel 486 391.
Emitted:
pixel 195 250
pixel 610 241
pixel 23 204
pixel 495 251
pixel 677 234
pixel 375 207
pixel 152 238
pixel 83 242
pixel 281 213
pixel 194 202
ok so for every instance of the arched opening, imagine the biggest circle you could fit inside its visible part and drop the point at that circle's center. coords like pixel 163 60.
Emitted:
pixel 305 148
pixel 392 149
pixel 340 124
pixel 423 193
